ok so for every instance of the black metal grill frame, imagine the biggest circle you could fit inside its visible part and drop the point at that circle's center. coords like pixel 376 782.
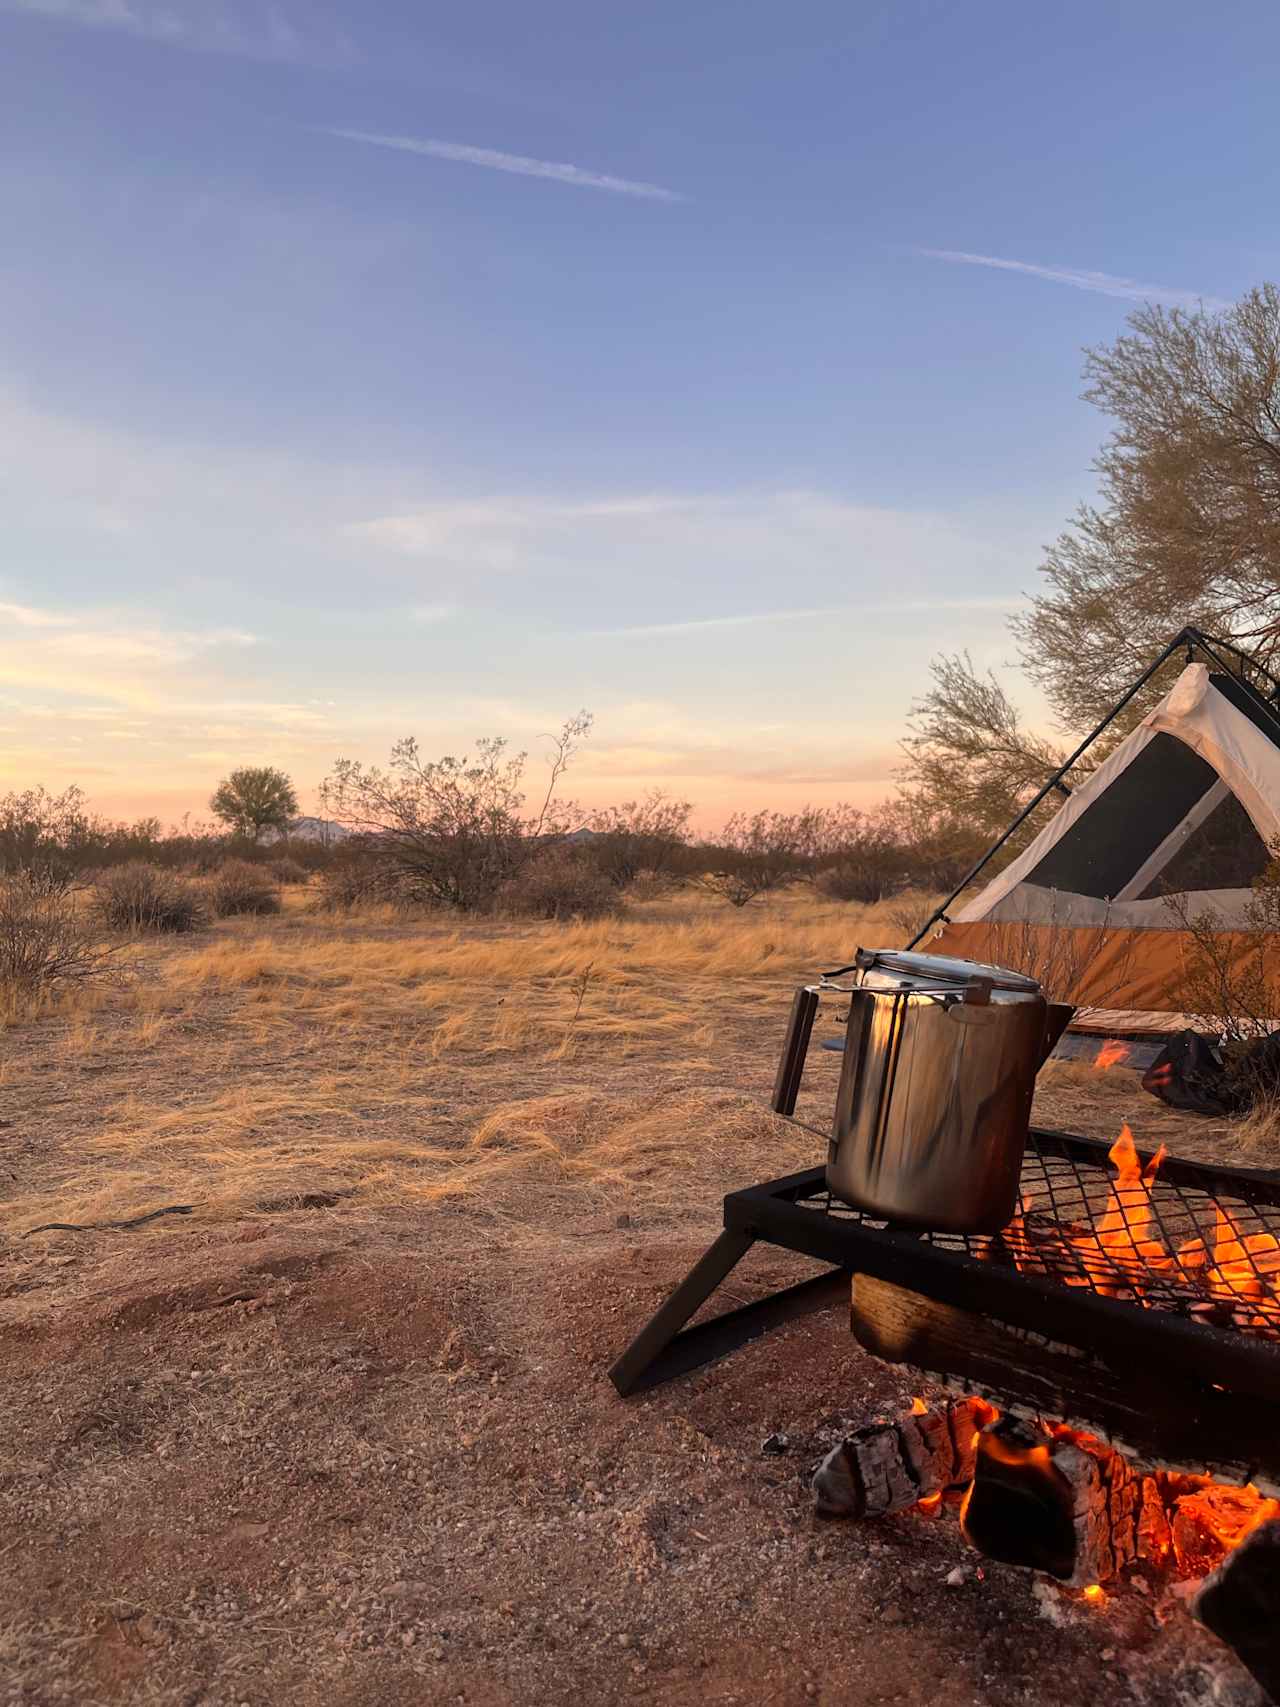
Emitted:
pixel 798 1213
pixel 1065 1196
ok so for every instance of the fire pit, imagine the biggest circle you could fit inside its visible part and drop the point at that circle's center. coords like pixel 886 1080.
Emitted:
pixel 1141 1298
pixel 1119 1343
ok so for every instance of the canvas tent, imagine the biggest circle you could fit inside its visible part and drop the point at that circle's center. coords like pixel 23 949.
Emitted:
pixel 1187 805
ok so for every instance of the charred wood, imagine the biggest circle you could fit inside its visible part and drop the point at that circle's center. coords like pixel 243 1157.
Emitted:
pixel 1240 1603
pixel 1053 1505
pixel 889 1466
pixel 1158 1418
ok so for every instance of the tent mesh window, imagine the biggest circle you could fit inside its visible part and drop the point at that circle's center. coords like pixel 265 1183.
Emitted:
pixel 1224 852
pixel 1120 830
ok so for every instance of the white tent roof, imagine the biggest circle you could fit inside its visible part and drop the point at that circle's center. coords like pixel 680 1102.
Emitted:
pixel 1247 764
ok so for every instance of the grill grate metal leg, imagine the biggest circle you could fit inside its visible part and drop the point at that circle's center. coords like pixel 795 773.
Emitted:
pixel 660 1351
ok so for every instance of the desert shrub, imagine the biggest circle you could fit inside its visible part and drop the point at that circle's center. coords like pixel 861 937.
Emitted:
pixel 909 915
pixel 356 877
pixel 46 942
pixel 239 887
pixel 642 838
pixel 1231 985
pixel 137 897
pixel 288 871
pixel 755 855
pixel 903 844
pixel 560 883
pixel 867 875
pixel 312 853
pixel 451 832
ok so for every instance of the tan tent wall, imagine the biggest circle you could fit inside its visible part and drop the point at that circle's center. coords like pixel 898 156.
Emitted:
pixel 1133 979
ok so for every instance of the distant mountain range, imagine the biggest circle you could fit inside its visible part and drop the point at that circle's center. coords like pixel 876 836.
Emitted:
pixel 309 830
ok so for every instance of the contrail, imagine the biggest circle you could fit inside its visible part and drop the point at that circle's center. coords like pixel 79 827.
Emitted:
pixel 522 165
pixel 1106 284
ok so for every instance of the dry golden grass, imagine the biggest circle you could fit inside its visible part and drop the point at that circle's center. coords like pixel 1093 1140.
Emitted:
pixel 506 1072
pixel 529 1171
pixel 622 984
pixel 1083 1079
pixel 1255 1138
pixel 522 1077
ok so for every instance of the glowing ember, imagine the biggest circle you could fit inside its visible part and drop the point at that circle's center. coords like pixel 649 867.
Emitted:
pixel 1111 1054
pixel 918 1407
pixel 1095 1591
pixel 1211 1519
pixel 1195 1522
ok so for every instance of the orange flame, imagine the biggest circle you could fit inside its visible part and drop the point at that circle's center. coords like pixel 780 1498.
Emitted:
pixel 1119 1248
pixel 1240 1261
pixel 1110 1055
pixel 1123 1252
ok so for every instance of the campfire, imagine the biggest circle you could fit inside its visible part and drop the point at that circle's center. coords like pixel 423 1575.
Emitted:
pixel 1012 1481
pixel 1109 1360
pixel 1232 1276
pixel 1059 1462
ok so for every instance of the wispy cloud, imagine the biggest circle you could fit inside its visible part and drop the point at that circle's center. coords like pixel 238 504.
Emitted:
pixel 522 165
pixel 56 644
pixel 252 32
pixel 1105 284
pixel 28 616
pixel 702 624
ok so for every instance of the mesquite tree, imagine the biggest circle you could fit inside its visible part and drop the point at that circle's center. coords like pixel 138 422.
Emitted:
pixel 253 799
pixel 1186 530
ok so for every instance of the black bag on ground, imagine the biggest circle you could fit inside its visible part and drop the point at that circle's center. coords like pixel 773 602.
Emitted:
pixel 1190 1074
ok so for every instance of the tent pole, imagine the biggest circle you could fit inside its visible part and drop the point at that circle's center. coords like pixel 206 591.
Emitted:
pixel 1184 636
pixel 1207 643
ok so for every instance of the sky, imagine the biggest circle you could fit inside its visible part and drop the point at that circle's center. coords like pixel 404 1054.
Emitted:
pixel 385 368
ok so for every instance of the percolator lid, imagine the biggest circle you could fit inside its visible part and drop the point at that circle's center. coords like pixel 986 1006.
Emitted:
pixel 941 969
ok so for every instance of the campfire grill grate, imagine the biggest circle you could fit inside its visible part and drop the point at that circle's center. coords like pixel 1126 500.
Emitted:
pixel 1050 1274
pixel 1066 1196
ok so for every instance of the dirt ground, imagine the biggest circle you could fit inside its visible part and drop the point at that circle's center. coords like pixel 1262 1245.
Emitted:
pixel 344 1434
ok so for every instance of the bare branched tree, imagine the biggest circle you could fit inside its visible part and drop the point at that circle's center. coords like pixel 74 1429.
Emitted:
pixel 1186 530
pixel 968 753
pixel 870 856
pixel 756 854
pixel 640 838
pixel 451 831
pixel 43 832
pixel 1188 527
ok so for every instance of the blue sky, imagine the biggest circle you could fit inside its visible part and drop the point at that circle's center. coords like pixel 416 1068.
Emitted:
pixel 394 368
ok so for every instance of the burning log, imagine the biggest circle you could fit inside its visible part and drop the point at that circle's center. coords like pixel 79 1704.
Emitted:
pixel 1162 1419
pixel 890 1466
pixel 1048 1502
pixel 1240 1603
